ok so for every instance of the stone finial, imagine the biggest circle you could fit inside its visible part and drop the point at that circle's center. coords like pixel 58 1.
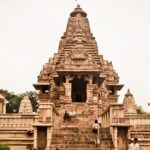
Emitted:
pixel 25 106
pixel 77 10
pixel 129 103
pixel 128 93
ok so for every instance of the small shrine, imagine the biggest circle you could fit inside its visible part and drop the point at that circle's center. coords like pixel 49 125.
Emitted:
pixel 25 106
pixel 129 103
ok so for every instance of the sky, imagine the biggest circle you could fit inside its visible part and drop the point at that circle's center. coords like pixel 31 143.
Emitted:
pixel 30 31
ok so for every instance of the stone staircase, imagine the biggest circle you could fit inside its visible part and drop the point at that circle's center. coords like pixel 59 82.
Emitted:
pixel 76 134
pixel 78 138
pixel 85 113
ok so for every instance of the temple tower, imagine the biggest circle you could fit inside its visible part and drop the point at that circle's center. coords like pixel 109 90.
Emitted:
pixel 77 77
pixel 25 106
pixel 77 73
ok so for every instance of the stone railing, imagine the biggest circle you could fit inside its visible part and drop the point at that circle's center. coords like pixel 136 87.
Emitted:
pixel 17 121
pixel 137 119
pixel 112 115
pixel 132 120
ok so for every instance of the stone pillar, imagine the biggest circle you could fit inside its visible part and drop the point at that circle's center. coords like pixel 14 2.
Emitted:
pixel 115 139
pixel 35 138
pixel 90 93
pixel 4 107
pixel 67 98
pixel 49 135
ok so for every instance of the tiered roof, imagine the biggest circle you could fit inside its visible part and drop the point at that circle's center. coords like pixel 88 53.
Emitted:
pixel 78 52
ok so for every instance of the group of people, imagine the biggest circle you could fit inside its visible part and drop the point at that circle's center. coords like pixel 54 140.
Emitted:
pixel 133 145
pixel 69 115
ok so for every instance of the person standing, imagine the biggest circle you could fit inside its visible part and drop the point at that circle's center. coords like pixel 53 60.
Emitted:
pixel 99 120
pixel 131 145
pixel 136 144
pixel 95 130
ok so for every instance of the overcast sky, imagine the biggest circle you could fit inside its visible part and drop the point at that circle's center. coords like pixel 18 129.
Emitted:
pixel 30 31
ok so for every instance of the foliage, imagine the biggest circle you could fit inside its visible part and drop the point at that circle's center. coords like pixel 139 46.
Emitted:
pixel 140 110
pixel 15 99
pixel 4 147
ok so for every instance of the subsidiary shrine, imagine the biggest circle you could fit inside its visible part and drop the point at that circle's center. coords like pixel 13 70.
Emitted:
pixel 79 79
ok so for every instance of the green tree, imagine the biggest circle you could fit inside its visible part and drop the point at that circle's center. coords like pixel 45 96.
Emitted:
pixel 15 99
pixel 140 110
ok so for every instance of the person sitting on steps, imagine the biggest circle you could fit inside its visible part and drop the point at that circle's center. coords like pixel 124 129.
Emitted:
pixel 66 116
pixel 72 114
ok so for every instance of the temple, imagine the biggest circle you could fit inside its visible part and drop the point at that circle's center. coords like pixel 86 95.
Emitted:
pixel 78 79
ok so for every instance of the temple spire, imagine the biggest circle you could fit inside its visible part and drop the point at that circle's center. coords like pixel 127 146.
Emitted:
pixel 129 103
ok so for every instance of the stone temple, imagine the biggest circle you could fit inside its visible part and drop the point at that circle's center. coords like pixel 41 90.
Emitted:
pixel 78 79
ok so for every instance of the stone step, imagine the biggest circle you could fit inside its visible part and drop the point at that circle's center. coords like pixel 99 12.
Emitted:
pixel 80 139
pixel 96 148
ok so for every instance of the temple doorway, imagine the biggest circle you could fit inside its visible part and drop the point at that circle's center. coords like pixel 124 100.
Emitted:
pixel 78 92
pixel 42 138
pixel 122 138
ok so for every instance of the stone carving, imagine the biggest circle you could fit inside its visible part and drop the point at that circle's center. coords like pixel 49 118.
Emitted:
pixel 103 92
pixel 67 60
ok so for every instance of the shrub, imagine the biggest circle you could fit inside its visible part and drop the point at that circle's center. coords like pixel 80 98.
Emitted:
pixel 4 147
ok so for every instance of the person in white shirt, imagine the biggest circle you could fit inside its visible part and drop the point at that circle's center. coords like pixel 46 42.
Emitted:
pixel 99 120
pixel 136 144
pixel 72 113
pixel 131 145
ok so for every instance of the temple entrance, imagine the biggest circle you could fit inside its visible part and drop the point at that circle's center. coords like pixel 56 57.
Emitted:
pixel 42 138
pixel 122 138
pixel 78 92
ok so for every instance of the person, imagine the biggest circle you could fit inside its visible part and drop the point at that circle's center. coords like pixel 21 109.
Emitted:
pixel 66 116
pixel 131 145
pixel 95 130
pixel 99 120
pixel 72 113
pixel 136 144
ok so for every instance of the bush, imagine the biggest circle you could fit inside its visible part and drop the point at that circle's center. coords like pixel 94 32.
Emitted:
pixel 4 147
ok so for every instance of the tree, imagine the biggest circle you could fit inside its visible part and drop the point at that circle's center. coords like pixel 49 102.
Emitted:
pixel 140 110
pixel 4 147
pixel 15 99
